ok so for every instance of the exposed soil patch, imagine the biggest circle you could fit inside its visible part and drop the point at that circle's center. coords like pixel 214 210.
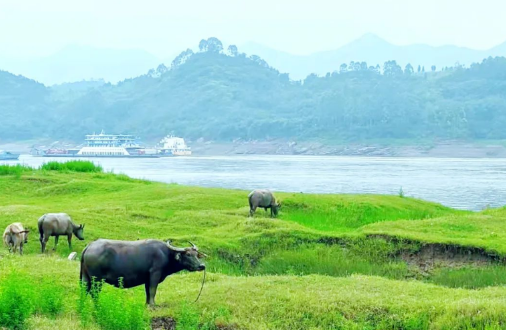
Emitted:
pixel 168 323
pixel 433 256
pixel 163 323
pixel 39 180
pixel 429 256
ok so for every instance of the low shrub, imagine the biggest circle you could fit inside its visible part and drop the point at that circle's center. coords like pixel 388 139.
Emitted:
pixel 113 309
pixel 16 300
pixel 50 296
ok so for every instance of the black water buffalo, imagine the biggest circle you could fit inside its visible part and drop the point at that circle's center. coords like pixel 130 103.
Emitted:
pixel 146 262
pixel 58 224
pixel 264 199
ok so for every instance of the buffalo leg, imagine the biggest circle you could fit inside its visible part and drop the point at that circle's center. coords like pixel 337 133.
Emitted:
pixel 44 243
pixel 252 210
pixel 85 280
pixel 56 241
pixel 21 248
pixel 69 238
pixel 151 287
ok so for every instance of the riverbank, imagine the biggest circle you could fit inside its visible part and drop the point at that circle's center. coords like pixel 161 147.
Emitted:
pixel 452 149
pixel 327 261
pixel 442 149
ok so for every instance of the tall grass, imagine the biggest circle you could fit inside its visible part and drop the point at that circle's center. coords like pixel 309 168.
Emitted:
pixel 348 213
pixel 72 166
pixel 50 298
pixel 470 277
pixel 113 309
pixel 328 260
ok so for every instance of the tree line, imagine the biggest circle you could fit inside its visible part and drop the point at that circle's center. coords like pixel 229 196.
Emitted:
pixel 219 94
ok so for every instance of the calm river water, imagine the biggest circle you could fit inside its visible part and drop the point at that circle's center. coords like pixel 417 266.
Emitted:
pixel 460 183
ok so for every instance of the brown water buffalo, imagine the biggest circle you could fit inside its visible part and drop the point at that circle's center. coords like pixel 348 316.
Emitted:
pixel 58 224
pixel 146 262
pixel 263 198
pixel 15 236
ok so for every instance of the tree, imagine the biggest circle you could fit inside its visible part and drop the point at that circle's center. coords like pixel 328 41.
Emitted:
pixel 419 68
pixel 203 45
pixel 433 68
pixel 161 69
pixel 343 68
pixel 232 50
pixel 214 45
pixel 182 58
pixel 311 79
pixel 392 69
pixel 408 70
pixel 257 59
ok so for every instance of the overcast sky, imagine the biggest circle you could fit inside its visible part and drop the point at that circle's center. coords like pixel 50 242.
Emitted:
pixel 40 27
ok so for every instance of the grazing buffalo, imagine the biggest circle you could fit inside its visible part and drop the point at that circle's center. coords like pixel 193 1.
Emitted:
pixel 263 199
pixel 15 236
pixel 146 262
pixel 58 224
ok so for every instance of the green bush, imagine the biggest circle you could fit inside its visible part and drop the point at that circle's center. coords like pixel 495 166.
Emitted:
pixel 16 300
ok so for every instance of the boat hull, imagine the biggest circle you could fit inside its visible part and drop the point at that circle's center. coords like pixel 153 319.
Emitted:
pixel 10 156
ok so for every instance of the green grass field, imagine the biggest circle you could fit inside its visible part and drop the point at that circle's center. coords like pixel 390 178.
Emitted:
pixel 327 261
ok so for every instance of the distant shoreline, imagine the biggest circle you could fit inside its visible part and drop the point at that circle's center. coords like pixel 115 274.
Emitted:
pixel 440 150
pixel 453 149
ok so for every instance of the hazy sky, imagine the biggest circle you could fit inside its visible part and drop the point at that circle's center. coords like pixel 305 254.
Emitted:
pixel 39 27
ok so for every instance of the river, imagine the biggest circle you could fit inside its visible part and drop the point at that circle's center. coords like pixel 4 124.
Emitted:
pixel 460 183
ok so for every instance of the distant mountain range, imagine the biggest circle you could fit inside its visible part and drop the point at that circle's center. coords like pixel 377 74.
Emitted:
pixel 77 63
pixel 373 50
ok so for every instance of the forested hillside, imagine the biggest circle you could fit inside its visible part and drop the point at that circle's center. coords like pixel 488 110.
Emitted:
pixel 224 95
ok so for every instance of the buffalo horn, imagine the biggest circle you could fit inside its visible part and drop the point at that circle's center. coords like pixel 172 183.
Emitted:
pixel 173 248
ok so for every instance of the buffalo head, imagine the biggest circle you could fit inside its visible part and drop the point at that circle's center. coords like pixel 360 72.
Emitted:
pixel 276 208
pixel 25 236
pixel 188 258
pixel 79 232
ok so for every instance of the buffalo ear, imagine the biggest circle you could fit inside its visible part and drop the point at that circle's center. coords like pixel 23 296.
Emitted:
pixel 202 255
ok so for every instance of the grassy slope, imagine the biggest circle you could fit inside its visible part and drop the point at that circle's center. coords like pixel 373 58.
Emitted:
pixel 486 230
pixel 216 220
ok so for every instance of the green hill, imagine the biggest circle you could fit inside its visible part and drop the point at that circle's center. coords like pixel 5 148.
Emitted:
pixel 223 95
pixel 327 262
